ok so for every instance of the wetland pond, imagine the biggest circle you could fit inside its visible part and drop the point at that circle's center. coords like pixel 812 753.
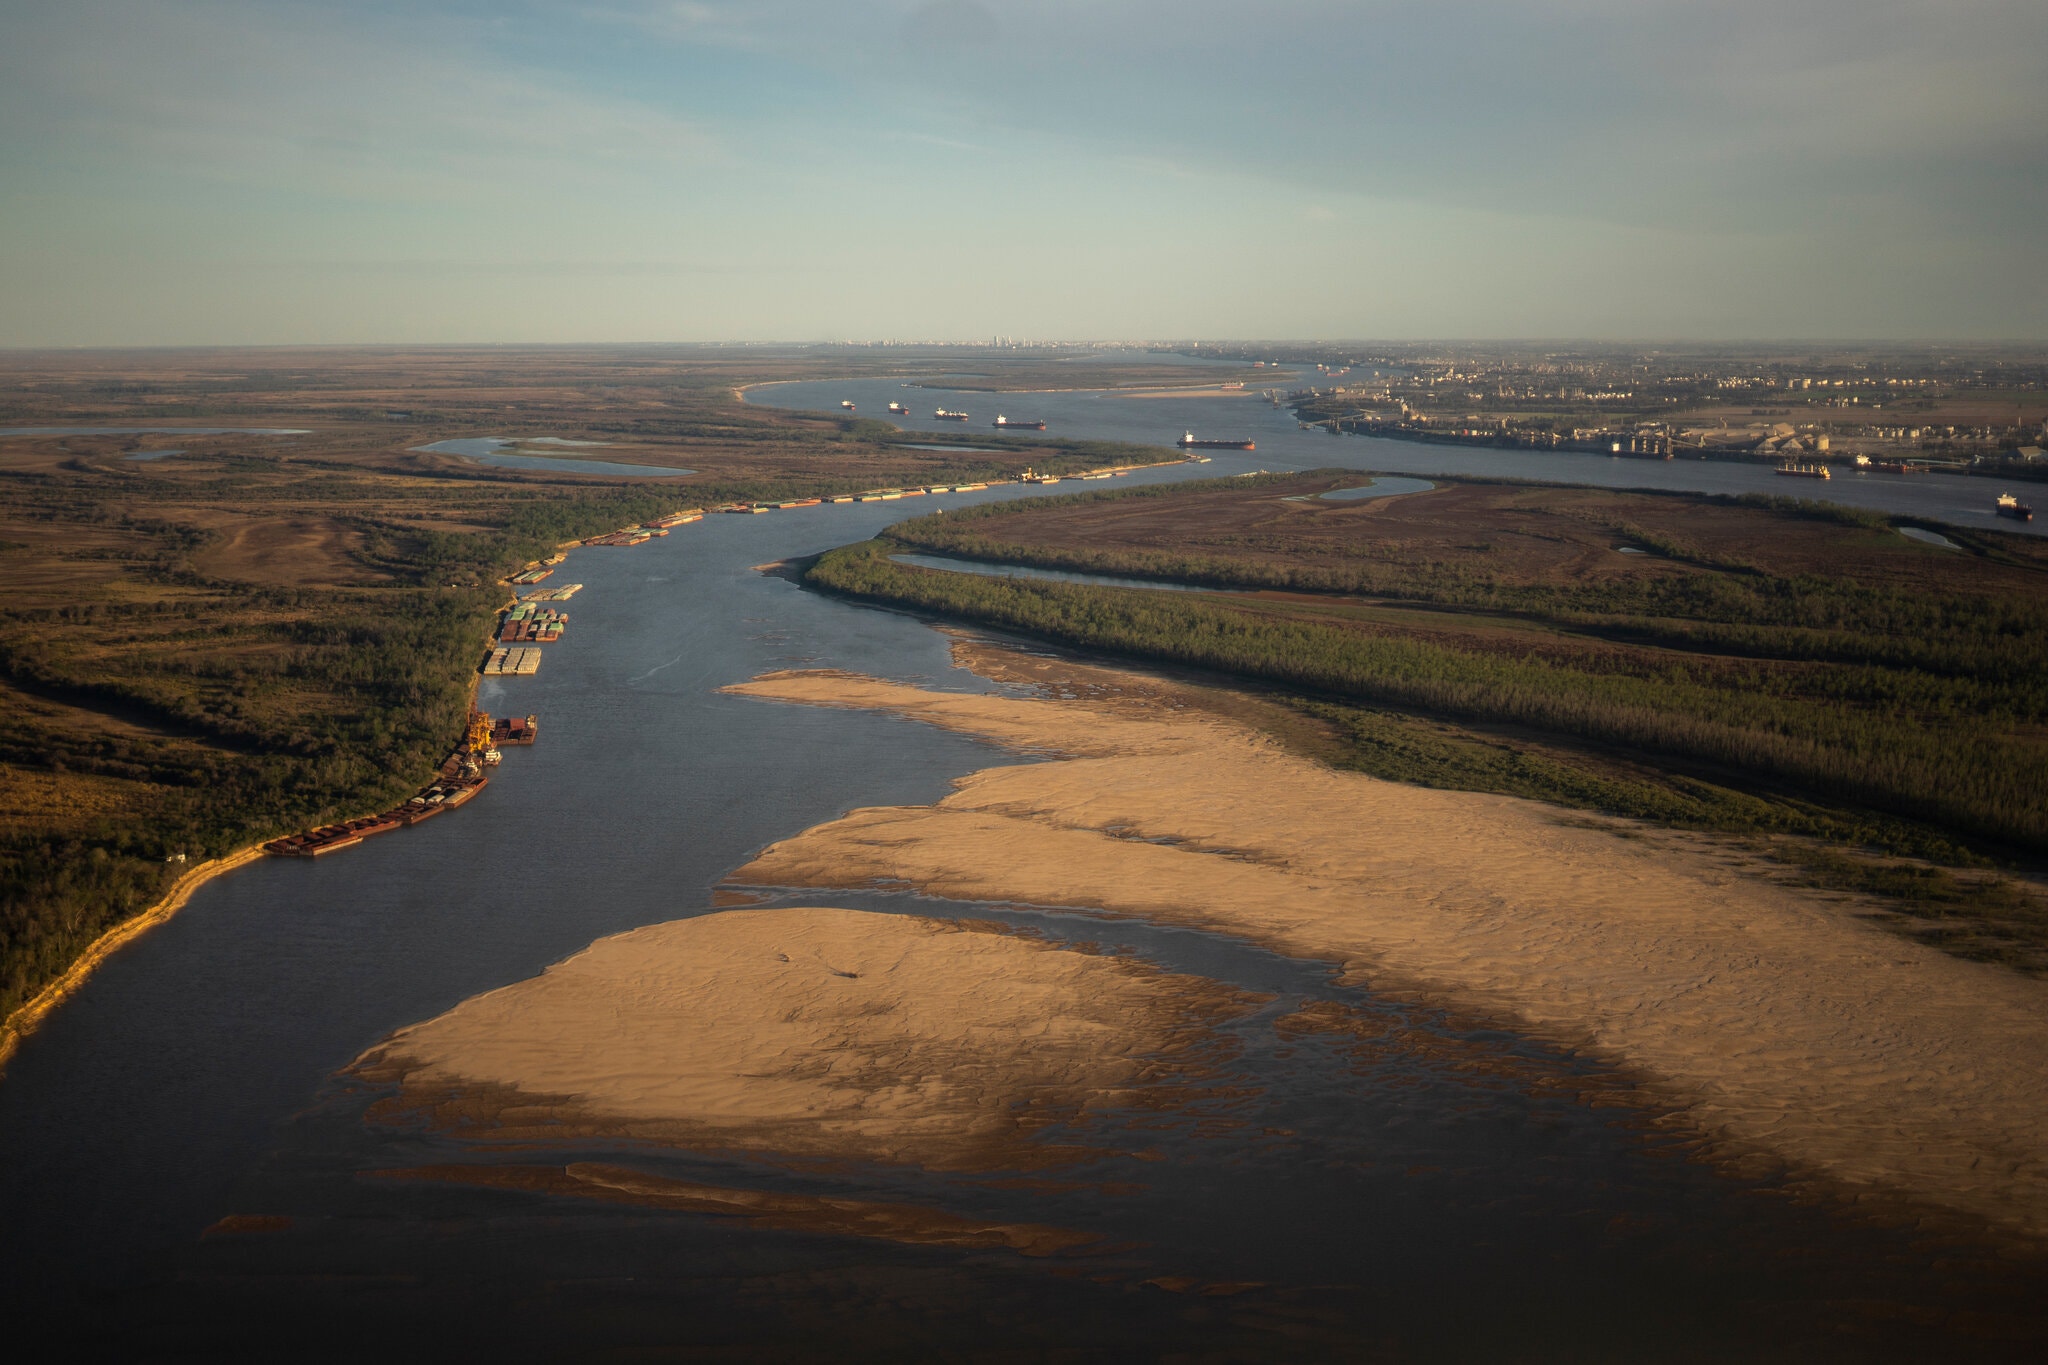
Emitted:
pixel 185 1167
pixel 490 450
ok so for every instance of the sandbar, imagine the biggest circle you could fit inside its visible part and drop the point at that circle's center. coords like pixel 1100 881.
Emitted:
pixel 1789 1032
pixel 810 1032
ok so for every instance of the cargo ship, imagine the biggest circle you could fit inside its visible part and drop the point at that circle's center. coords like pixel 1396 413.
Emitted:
pixel 899 409
pixel 1897 467
pixel 2010 506
pixel 945 416
pixel 1018 423
pixel 847 403
pixel 1190 441
pixel 1805 471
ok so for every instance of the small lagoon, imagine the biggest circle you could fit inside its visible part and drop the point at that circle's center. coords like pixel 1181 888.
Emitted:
pixel 486 450
pixel 986 570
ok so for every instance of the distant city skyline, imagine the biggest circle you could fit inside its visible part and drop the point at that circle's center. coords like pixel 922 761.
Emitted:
pixel 215 172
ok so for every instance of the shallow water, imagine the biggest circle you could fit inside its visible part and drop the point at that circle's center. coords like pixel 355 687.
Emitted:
pixel 986 569
pixel 486 450
pixel 1388 487
pixel 1427 1189
pixel 154 431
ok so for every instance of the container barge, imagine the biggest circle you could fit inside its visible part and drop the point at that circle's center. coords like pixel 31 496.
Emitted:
pixel 514 730
pixel 515 660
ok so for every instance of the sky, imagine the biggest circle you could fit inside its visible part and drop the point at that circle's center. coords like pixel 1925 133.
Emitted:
pixel 357 171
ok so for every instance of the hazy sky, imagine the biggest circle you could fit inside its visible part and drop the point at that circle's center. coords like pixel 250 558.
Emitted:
pixel 637 170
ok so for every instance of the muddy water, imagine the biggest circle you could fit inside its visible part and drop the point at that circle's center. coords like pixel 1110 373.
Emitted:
pixel 1359 1180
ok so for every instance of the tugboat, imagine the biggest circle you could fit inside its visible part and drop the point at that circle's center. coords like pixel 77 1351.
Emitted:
pixel 2010 506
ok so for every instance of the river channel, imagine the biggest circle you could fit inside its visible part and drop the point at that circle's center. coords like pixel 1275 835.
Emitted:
pixel 1106 415
pixel 1458 1196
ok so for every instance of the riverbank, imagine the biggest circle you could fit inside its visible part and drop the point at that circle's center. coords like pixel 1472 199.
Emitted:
pixel 1783 1028
pixel 29 1017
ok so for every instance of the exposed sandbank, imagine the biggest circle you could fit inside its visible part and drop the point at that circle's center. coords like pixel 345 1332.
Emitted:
pixel 1775 1020
pixel 909 1223
pixel 809 1032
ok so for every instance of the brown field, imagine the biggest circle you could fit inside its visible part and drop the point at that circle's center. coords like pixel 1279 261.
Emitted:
pixel 1522 535
pixel 295 551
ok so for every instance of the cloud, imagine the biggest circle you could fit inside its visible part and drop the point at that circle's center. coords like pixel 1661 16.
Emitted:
pixel 1682 112
pixel 318 101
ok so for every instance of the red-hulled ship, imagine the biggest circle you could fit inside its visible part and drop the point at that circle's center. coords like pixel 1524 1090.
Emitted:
pixel 1191 442
pixel 1019 423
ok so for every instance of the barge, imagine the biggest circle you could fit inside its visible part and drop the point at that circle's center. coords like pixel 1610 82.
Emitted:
pixel 514 729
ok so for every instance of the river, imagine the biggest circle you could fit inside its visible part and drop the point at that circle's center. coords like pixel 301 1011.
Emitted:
pixel 1105 415
pixel 1412 1201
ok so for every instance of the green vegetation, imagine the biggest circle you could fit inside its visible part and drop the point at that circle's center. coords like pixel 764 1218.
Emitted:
pixel 258 636
pixel 1711 693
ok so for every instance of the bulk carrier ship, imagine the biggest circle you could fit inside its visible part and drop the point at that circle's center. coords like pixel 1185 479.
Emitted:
pixel 1190 441
pixel 1017 423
